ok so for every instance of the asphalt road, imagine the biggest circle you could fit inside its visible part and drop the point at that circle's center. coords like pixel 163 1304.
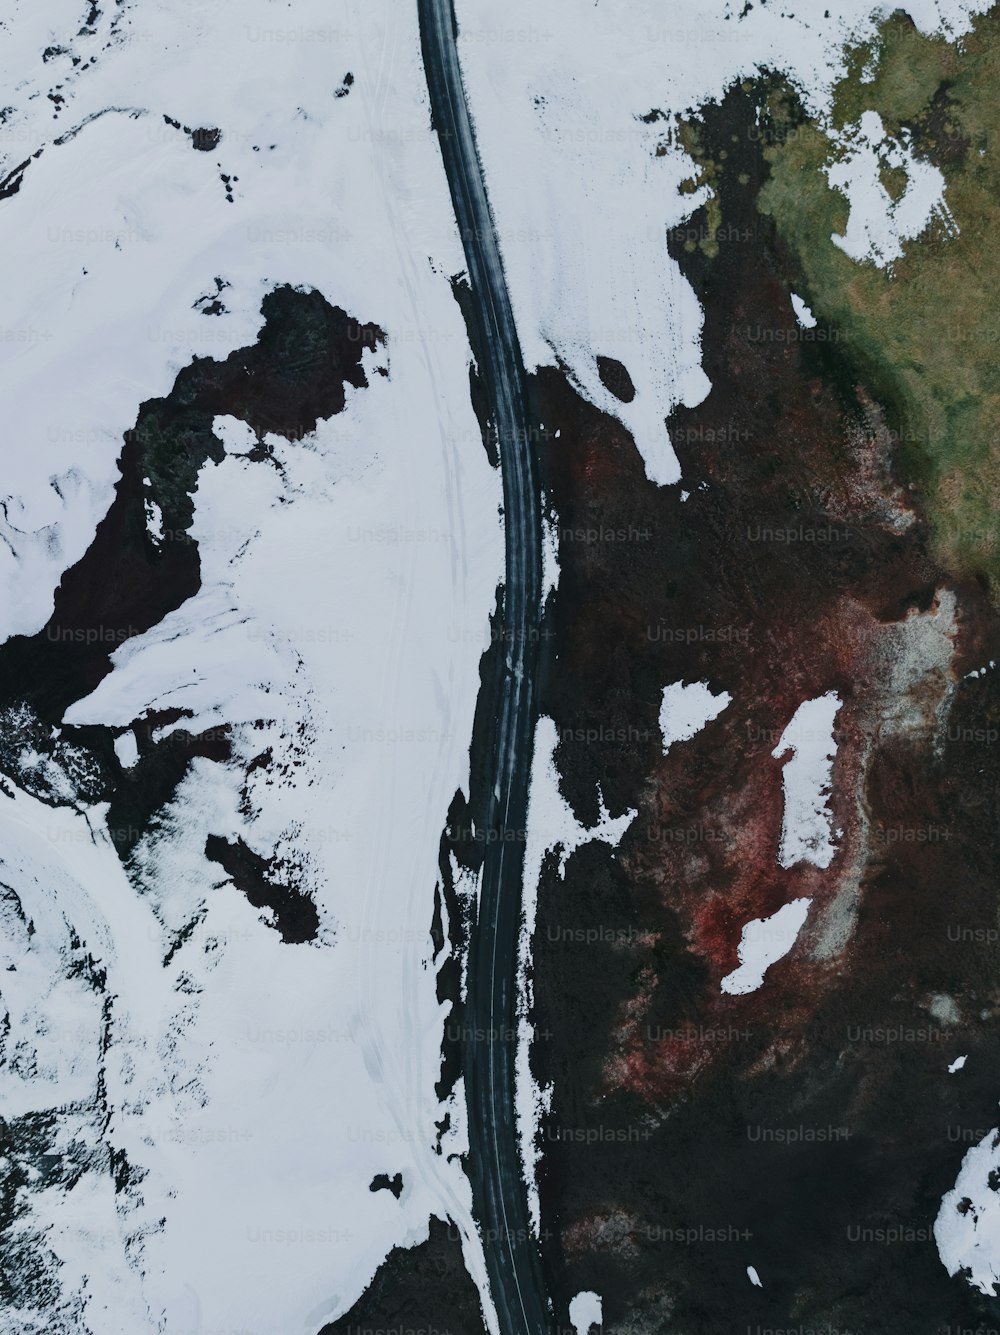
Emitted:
pixel 499 1193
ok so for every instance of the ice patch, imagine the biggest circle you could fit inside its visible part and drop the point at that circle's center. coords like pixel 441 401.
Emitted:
pixel 806 824
pixel 754 1277
pixel 957 1064
pixel 764 941
pixel 686 708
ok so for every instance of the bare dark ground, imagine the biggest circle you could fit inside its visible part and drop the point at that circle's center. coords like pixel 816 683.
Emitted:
pixel 417 1289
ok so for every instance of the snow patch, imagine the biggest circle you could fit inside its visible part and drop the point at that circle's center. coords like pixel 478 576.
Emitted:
pixel 551 825
pixel 586 1311
pixel 877 224
pixel 957 1064
pixel 803 314
pixel 806 834
pixel 764 941
pixel 551 821
pixel 686 708
pixel 235 436
pixel 967 1228
pixel 126 749
pixel 154 520
pixel 550 555
pixel 981 672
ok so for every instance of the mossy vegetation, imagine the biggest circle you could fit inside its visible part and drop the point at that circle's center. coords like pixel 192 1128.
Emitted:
pixel 921 336
pixel 924 335
pixel 689 138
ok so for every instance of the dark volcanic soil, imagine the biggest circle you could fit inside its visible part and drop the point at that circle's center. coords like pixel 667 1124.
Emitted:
pixel 417 1289
pixel 808 1129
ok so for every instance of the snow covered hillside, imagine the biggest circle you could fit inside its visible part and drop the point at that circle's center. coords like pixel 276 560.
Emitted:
pixel 197 1107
